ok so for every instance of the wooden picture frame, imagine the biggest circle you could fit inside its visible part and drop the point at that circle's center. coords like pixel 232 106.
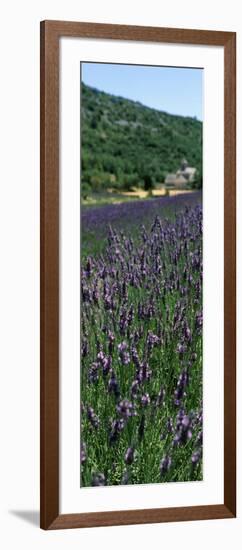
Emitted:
pixel 51 32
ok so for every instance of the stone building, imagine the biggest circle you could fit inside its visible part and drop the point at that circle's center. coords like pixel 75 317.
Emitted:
pixel 182 177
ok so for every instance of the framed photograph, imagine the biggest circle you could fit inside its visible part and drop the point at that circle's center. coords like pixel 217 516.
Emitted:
pixel 138 218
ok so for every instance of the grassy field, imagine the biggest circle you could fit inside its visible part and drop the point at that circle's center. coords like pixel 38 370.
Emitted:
pixel 114 197
pixel 141 326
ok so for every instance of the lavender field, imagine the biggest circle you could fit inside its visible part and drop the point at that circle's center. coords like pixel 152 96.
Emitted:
pixel 141 335
pixel 128 217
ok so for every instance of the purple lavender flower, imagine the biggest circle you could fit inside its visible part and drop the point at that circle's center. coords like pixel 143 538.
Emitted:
pixel 144 373
pixel 100 357
pixel 130 315
pixel 123 323
pixel 98 480
pixel 196 457
pixel 184 431
pixel 89 267
pixel 199 320
pixel 145 400
pixel 85 348
pixel 95 295
pixel 113 386
pixel 182 383
pixel 199 439
pixel 93 373
pixel 135 357
pixel 169 425
pixel 185 422
pixel 160 397
pixel 152 340
pixel 116 428
pixel 134 388
pixel 92 417
pixel 83 453
pixel 187 333
pixel 111 340
pixel 181 349
pixel 129 456
pixel 126 409
pixel 165 465
pixel 123 353
pixel 105 362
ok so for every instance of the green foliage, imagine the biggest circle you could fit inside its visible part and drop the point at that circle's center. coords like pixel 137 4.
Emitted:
pixel 148 182
pixel 197 183
pixel 130 181
pixel 85 190
pixel 126 144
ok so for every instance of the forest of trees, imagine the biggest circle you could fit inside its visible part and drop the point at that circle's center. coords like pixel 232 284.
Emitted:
pixel 126 145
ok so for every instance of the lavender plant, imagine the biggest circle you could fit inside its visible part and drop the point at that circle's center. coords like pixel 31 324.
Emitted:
pixel 141 364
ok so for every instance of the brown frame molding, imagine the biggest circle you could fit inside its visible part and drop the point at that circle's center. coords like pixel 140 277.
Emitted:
pixel 51 32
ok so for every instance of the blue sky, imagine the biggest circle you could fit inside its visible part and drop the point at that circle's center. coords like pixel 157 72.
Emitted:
pixel 175 90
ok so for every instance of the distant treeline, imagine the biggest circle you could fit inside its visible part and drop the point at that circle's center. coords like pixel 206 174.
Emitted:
pixel 125 144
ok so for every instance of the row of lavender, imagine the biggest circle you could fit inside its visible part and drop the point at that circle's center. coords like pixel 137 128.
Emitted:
pixel 129 215
pixel 141 371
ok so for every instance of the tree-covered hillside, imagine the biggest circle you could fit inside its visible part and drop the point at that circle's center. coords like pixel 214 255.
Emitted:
pixel 125 143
